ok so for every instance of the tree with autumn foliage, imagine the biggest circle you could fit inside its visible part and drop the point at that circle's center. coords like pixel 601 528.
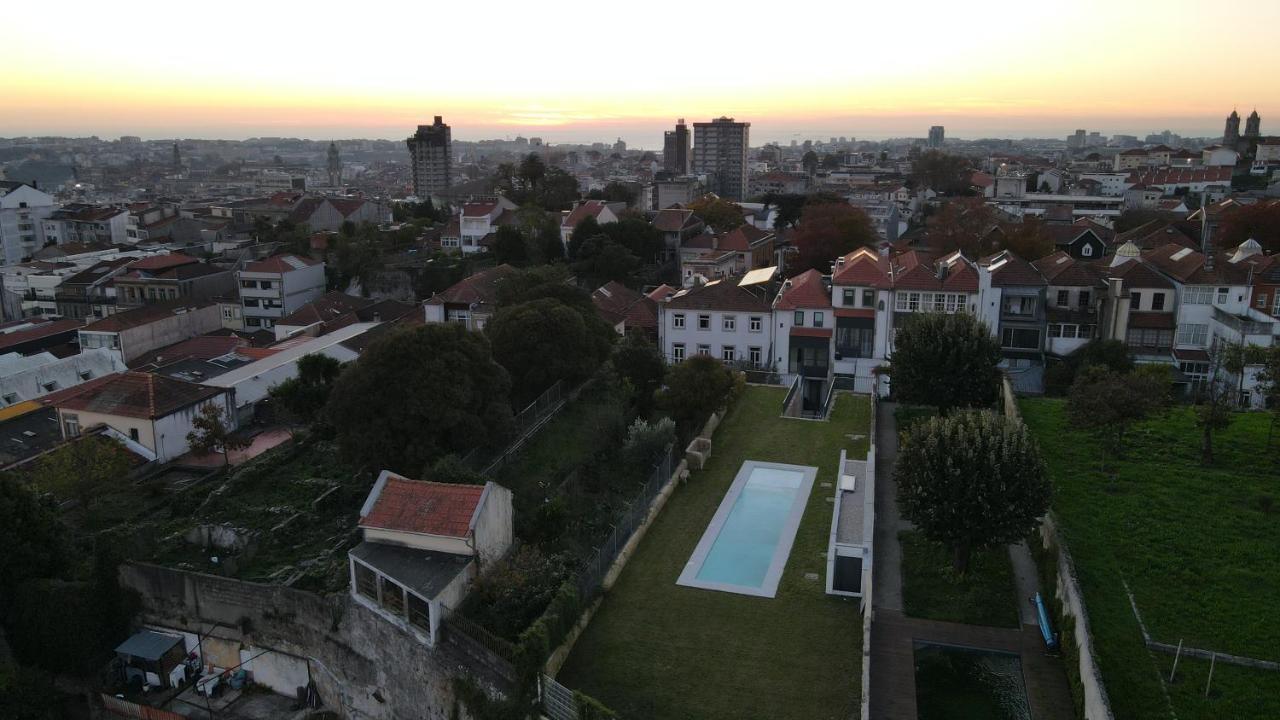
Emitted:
pixel 828 231
pixel 1028 240
pixel 962 224
pixel 721 215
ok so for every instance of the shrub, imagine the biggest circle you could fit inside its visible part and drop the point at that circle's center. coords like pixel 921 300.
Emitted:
pixel 696 388
pixel 646 441
pixel 515 591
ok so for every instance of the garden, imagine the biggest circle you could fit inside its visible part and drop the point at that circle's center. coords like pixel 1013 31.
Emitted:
pixel 1196 545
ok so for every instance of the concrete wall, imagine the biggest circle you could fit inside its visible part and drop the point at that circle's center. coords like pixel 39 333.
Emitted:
pixel 363 666
pixel 1096 704
pixel 494 529
pixel 169 330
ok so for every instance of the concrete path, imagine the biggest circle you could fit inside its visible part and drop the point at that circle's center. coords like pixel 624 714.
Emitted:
pixel 893 634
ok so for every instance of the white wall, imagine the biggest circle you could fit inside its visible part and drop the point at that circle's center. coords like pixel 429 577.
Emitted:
pixel 716 337
pixel 493 529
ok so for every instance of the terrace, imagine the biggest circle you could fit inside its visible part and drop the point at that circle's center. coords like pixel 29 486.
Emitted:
pixel 656 649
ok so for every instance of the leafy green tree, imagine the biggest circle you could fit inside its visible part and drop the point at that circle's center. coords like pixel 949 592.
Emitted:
pixel 810 163
pixel 720 215
pixel 642 367
pixel 601 259
pixel 543 341
pixel 638 236
pixel 1107 404
pixel 971 480
pixel 828 231
pixel 511 247
pixel 942 172
pixel 614 192
pixel 946 360
pixel 81 469
pixel 586 229
pixel 210 434
pixel 789 207
pixel 27 694
pixel 696 388
pixel 302 398
pixel 31 536
pixel 417 394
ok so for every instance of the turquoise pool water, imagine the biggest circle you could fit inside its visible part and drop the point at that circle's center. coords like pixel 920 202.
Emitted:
pixel 745 547
pixel 955 683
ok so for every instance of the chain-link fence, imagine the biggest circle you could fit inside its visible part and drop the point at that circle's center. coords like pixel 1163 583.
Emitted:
pixel 488 461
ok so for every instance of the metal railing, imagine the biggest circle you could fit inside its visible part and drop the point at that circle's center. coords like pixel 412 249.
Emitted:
pixel 786 401
pixel 557 700
pixel 528 421
pixel 591 578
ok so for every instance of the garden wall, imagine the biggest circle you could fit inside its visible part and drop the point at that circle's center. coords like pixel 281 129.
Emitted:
pixel 1096 706
pixel 362 666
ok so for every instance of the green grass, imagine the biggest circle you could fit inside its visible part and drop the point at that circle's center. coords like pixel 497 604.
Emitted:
pixel 1194 544
pixel 931 589
pixel 657 650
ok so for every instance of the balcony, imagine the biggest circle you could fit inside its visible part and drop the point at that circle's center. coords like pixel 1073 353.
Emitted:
pixel 1252 323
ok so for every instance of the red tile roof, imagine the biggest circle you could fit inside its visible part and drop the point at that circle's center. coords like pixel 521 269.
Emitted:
pixel 133 394
pixel 429 508
pixel 720 295
pixel 674 219
pixel 584 210
pixel 618 303
pixel 1062 270
pixel 204 347
pixel 161 262
pixel 1008 269
pixel 742 238
pixel 280 264
pixel 479 209
pixel 863 267
pixel 1173 176
pixel 1151 320
pixel 41 330
pixel 807 290
pixel 481 288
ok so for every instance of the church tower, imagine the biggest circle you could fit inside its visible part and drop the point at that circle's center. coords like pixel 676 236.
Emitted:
pixel 1253 125
pixel 334 166
pixel 1231 134
pixel 177 159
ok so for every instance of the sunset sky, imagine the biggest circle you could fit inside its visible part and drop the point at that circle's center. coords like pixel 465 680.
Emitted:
pixel 596 71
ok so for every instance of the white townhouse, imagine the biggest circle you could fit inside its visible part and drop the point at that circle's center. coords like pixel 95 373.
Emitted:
pixel 804 335
pixel 729 319
pixel 278 286
pixel 1073 300
pixel 861 296
pixel 23 210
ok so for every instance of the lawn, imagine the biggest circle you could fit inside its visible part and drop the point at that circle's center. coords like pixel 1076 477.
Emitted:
pixel 986 595
pixel 657 650
pixel 1198 547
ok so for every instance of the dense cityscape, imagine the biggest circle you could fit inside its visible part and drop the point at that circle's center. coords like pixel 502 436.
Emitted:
pixel 549 409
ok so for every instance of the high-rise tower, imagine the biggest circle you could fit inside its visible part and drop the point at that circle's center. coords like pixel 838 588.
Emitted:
pixel 720 150
pixel 334 166
pixel 675 149
pixel 430 151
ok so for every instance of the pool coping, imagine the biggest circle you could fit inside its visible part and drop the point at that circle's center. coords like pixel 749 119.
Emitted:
pixel 782 551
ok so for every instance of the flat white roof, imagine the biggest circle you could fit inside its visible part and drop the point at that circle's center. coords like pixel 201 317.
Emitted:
pixel 288 355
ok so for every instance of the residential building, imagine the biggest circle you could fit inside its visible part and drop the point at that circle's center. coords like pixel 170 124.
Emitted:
pixel 1141 307
pixel 471 301
pixel 725 319
pixel 422 543
pixel 278 286
pixel 937 137
pixel 1084 238
pixel 30 377
pixel 675 150
pixel 677 191
pixel 862 301
pixel 804 336
pixel 1012 304
pixel 327 214
pixel 153 411
pixel 175 276
pixel 720 151
pixel 29 337
pixel 431 159
pixel 710 256
pixel 603 212
pixel 625 309
pixel 140 330
pixel 334 310
pixel 87 225
pixel 478 221
pixel 1074 293
pixel 91 293
pixel 677 226
pixel 23 210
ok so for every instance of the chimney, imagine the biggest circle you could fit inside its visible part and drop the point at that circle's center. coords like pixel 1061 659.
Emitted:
pixel 840 261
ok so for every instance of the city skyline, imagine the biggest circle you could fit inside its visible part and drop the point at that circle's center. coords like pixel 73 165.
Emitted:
pixel 572 86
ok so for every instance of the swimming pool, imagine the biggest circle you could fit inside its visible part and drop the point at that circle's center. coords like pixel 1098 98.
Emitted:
pixel 746 545
pixel 959 683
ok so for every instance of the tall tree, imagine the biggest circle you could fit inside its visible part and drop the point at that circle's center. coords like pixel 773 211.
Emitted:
pixel 1108 404
pixel 417 394
pixel 810 163
pixel 789 207
pixel 82 468
pixel 962 224
pixel 1028 239
pixel 640 363
pixel 696 388
pixel 941 172
pixel 971 480
pixel 1214 397
pixel 302 398
pixel 511 247
pixel 828 231
pixel 947 360
pixel 32 538
pixel 210 434
pixel 601 259
pixel 588 228
pixel 543 341
pixel 720 215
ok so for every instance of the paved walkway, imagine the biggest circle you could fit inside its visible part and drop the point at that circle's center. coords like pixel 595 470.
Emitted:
pixel 893 634
pixel 261 443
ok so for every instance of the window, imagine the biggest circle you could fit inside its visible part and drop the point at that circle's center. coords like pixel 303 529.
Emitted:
pixel 677 321
pixel 366 582
pixel 1193 334
pixel 1196 295
pixel 755 323
pixel 1135 301
pixel 1055 330
pixel 1150 339
pixel 10 398
pixel 755 356
pixel 1157 301
pixel 1063 300
pixel 251 302
pixel 392 596
pixel 1086 250
pixel 729 323
pixel 1222 296
pixel 799 319
pixel 727 353
pixel 868 298
pixel 1085 297
pixel 248 283
pixel 855 337
pixel 50 386
pixel 704 349
pixel 419 613
pixel 1262 301
pixel 704 322
pixel 1020 338
pixel 133 434
pixel 1015 305
pixel 677 352
pixel 267 284
pixel 71 425
pixel 817 319
pixel 86 374
pixel 255 322
pixel 228 313
pixel 849 296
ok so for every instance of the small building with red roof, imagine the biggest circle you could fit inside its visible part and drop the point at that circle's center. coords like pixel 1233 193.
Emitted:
pixel 603 212
pixel 422 543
